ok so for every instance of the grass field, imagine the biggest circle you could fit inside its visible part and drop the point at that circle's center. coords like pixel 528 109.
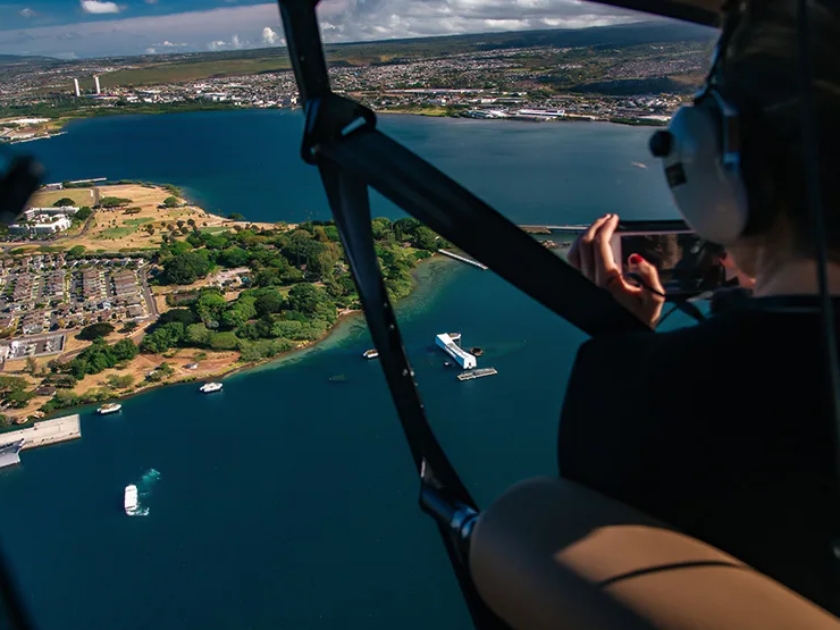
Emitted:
pixel 81 196
pixel 115 233
pixel 114 230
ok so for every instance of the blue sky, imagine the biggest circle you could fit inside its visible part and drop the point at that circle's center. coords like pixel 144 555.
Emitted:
pixel 94 28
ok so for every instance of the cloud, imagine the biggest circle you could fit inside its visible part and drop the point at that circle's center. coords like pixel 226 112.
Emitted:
pixel 150 1
pixel 340 21
pixel 98 7
pixel 151 51
pixel 27 13
pixel 354 20
pixel 269 36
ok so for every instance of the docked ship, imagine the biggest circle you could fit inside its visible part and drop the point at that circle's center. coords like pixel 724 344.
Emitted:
pixel 109 408
pixel 370 354
pixel 209 388
pixel 130 501
pixel 9 453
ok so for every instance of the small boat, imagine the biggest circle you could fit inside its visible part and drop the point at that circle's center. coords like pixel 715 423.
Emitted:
pixel 476 351
pixel 130 500
pixel 370 354
pixel 109 408
pixel 209 388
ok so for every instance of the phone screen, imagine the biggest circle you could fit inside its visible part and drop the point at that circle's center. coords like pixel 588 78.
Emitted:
pixel 686 263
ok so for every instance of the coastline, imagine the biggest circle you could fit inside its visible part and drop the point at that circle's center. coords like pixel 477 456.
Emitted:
pixel 56 126
pixel 346 322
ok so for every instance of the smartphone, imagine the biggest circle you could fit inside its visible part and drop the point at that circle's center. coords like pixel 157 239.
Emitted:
pixel 687 264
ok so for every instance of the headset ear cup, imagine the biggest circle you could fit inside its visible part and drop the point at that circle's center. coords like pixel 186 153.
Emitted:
pixel 711 197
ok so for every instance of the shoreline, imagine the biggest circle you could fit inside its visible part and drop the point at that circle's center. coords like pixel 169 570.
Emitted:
pixel 236 368
pixel 58 125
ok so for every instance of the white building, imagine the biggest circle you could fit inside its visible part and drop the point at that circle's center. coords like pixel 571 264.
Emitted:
pixel 41 224
pixel 62 210
pixel 462 357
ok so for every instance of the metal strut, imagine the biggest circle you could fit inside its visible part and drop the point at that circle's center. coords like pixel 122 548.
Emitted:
pixel 341 139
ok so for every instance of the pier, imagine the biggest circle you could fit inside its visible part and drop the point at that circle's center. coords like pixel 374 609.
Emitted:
pixel 45 432
pixel 461 356
pixel 471 374
pixel 550 229
pixel 463 259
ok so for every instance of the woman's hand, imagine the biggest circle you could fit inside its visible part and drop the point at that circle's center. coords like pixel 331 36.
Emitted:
pixel 592 255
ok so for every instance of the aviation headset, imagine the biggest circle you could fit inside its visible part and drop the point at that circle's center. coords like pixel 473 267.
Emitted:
pixel 701 155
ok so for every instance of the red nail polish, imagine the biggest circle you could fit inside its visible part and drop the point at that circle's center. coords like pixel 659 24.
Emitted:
pixel 635 259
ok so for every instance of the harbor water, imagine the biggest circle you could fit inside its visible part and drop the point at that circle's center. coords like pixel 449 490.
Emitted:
pixel 288 499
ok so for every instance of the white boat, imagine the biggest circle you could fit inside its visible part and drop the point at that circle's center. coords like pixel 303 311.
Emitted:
pixel 130 501
pixel 209 388
pixel 370 354
pixel 109 408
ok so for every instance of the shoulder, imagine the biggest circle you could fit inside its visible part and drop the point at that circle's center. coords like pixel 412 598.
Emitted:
pixel 677 345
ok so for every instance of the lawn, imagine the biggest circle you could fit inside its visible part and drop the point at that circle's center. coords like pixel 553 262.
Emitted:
pixel 81 196
pixel 116 232
pixel 140 221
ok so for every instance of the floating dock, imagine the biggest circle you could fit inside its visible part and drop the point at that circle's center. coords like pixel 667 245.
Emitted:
pixel 461 356
pixel 41 433
pixel 471 374
pixel 463 259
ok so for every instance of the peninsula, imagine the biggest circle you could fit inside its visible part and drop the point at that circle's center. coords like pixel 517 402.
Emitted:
pixel 145 289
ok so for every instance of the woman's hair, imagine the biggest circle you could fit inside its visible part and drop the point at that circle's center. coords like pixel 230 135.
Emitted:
pixel 761 74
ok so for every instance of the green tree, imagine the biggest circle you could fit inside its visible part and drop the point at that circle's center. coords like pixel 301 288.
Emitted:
pixel 83 213
pixel 210 306
pixel 269 301
pixel 171 202
pixel 183 315
pixel 224 341
pixel 120 382
pixel 404 228
pixel 197 335
pixel 186 268
pixel 233 257
pixel 114 202
pixel 95 331
pixel 76 251
pixel 125 350
pixel 424 238
pixel 306 297
pixel 235 216
pixel 64 201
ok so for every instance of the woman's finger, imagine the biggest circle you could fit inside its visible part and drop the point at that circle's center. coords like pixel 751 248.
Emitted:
pixel 650 276
pixel 605 267
pixel 587 258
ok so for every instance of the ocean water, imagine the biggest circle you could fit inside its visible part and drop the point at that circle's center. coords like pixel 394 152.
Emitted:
pixel 289 499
